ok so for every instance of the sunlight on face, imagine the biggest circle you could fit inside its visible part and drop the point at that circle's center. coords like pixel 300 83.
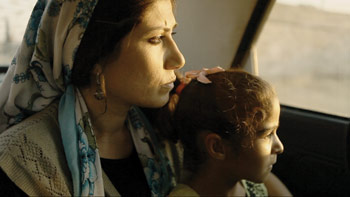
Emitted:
pixel 255 163
pixel 143 73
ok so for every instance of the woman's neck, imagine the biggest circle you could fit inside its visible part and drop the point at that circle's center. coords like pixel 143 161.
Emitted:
pixel 113 137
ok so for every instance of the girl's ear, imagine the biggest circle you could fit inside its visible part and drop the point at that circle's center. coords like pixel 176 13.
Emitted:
pixel 215 146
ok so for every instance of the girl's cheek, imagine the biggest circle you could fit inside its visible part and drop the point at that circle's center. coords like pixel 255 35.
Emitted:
pixel 263 146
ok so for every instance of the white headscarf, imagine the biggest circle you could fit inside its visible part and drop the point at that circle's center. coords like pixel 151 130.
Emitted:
pixel 41 72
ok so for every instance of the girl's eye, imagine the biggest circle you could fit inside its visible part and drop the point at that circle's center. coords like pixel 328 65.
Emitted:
pixel 268 135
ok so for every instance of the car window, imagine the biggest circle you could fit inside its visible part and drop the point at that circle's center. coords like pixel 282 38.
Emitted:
pixel 209 31
pixel 14 15
pixel 304 51
pixel 208 34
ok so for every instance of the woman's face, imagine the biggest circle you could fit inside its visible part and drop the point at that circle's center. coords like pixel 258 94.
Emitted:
pixel 143 72
pixel 255 163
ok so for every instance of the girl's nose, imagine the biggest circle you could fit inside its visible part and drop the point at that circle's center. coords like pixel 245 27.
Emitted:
pixel 173 57
pixel 278 147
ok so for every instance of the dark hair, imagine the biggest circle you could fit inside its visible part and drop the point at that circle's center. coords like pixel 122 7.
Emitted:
pixel 111 21
pixel 233 106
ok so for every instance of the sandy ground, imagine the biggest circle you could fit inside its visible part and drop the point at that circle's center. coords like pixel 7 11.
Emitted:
pixel 14 15
pixel 305 54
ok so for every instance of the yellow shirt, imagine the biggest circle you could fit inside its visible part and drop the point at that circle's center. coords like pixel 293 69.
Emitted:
pixel 251 189
pixel 183 190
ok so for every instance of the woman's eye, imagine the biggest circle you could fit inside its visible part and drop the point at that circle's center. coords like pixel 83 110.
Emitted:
pixel 159 39
pixel 156 39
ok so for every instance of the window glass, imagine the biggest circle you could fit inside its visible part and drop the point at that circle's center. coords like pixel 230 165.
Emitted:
pixel 304 51
pixel 14 16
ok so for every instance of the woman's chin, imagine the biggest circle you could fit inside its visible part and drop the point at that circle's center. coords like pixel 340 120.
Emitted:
pixel 158 102
pixel 163 101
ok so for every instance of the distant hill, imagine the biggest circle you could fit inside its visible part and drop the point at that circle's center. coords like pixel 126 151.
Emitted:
pixel 305 38
pixel 305 53
pixel 14 16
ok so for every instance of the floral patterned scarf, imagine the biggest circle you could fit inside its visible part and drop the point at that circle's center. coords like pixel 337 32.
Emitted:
pixel 40 73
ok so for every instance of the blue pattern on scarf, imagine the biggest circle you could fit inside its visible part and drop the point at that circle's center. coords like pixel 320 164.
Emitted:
pixel 34 21
pixel 88 156
pixel 66 119
pixel 54 8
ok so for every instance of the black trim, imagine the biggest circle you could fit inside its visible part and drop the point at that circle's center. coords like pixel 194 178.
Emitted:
pixel 322 118
pixel 315 113
pixel 316 158
pixel 3 68
pixel 250 33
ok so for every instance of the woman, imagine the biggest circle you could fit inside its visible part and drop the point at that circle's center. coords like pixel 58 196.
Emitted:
pixel 84 65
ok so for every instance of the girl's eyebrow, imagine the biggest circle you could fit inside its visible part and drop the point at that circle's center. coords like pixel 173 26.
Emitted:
pixel 271 127
pixel 268 128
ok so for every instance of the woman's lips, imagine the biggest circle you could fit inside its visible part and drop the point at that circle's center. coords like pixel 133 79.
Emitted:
pixel 168 85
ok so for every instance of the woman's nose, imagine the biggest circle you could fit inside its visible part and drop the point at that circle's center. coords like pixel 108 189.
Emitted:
pixel 278 147
pixel 173 57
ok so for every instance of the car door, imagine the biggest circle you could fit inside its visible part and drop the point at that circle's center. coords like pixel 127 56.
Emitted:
pixel 314 129
pixel 233 33
pixel 311 53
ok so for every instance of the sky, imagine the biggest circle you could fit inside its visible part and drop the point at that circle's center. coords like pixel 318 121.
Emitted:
pixel 16 12
pixel 342 6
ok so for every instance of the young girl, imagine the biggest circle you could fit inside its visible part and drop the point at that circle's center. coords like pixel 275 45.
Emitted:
pixel 226 122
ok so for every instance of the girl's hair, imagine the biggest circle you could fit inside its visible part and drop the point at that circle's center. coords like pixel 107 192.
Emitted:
pixel 111 21
pixel 233 106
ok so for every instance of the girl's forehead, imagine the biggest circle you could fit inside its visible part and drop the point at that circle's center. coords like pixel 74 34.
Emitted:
pixel 272 121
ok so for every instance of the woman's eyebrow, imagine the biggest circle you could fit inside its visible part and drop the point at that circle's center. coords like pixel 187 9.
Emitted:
pixel 166 29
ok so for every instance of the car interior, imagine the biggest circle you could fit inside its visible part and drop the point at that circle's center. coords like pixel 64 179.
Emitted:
pixel 316 158
pixel 316 154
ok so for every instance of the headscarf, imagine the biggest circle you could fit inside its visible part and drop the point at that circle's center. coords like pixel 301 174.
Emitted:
pixel 41 73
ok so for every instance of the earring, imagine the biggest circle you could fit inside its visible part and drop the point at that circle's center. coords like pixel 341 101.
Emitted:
pixel 100 93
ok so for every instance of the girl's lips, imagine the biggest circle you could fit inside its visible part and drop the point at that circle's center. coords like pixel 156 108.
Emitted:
pixel 271 165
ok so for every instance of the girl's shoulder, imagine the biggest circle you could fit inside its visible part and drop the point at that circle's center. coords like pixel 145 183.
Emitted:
pixel 254 189
pixel 183 190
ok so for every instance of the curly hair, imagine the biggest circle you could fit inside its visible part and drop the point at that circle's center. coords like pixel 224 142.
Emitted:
pixel 233 106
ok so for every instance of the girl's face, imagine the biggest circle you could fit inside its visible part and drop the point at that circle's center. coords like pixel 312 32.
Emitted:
pixel 143 73
pixel 255 163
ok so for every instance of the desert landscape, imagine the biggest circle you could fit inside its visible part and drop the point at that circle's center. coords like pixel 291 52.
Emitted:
pixel 303 51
